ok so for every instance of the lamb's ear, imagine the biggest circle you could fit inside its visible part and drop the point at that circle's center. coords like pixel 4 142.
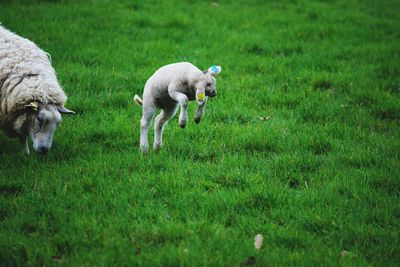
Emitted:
pixel 64 110
pixel 200 95
pixel 214 70
pixel 32 106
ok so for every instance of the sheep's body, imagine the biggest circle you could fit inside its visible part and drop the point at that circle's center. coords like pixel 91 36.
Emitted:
pixel 26 76
pixel 170 86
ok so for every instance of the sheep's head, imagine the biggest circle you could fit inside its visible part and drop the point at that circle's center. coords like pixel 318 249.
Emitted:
pixel 41 123
pixel 207 85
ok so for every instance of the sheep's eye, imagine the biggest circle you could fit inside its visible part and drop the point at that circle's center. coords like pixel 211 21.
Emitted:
pixel 209 84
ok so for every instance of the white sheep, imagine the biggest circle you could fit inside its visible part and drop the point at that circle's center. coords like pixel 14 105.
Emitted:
pixel 170 86
pixel 31 99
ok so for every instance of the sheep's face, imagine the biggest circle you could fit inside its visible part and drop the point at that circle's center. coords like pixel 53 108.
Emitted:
pixel 43 127
pixel 43 124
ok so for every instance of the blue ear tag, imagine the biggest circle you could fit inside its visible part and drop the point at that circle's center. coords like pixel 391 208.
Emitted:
pixel 214 70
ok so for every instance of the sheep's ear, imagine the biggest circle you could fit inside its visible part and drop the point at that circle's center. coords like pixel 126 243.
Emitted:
pixel 64 110
pixel 32 106
pixel 214 70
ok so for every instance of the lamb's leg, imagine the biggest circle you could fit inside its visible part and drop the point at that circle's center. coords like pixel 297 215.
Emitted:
pixel 160 123
pixel 200 112
pixel 145 123
pixel 183 102
pixel 24 142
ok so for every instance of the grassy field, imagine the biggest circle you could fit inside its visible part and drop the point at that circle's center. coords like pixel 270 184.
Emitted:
pixel 318 175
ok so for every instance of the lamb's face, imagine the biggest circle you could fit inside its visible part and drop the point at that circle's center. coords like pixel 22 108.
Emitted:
pixel 205 86
pixel 210 85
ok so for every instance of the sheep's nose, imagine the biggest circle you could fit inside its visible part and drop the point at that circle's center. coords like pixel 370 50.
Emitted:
pixel 212 94
pixel 43 150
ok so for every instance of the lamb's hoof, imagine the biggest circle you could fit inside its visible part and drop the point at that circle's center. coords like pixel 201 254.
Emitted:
pixel 144 150
pixel 182 125
pixel 197 120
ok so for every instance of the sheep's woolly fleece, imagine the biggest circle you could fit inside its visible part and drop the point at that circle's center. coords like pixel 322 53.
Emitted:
pixel 26 75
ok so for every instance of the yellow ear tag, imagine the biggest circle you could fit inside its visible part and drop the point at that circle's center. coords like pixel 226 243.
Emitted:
pixel 33 105
pixel 201 96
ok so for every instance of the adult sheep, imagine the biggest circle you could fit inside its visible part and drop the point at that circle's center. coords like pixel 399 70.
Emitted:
pixel 31 99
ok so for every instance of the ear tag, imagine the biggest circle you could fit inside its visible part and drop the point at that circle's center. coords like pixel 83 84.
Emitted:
pixel 200 97
pixel 32 105
pixel 215 70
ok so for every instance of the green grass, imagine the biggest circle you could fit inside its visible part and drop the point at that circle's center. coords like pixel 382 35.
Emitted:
pixel 322 176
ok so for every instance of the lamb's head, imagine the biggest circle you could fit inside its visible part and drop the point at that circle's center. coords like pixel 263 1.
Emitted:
pixel 207 85
pixel 41 123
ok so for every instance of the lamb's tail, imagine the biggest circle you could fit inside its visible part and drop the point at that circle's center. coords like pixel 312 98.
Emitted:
pixel 138 100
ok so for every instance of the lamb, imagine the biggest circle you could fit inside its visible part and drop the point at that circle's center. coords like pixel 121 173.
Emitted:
pixel 31 99
pixel 170 86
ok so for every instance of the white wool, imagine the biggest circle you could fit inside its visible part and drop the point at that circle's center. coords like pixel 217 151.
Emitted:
pixel 171 86
pixel 26 75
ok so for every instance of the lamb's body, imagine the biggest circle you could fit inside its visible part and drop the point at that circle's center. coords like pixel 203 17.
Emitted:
pixel 170 86
pixel 26 76
pixel 182 76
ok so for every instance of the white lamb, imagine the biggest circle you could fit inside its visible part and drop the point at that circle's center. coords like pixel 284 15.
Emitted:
pixel 31 99
pixel 170 86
